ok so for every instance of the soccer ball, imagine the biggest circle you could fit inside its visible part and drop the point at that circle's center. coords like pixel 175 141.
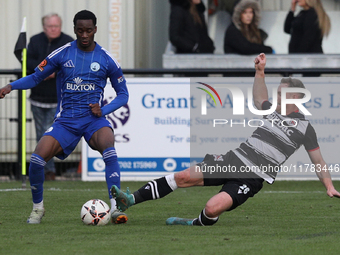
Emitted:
pixel 95 212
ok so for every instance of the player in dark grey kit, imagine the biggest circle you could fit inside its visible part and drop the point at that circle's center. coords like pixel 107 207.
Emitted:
pixel 270 145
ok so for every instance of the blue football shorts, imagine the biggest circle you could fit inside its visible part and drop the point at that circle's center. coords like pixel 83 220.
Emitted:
pixel 69 131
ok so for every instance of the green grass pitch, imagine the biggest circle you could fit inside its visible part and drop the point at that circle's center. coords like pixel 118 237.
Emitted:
pixel 284 218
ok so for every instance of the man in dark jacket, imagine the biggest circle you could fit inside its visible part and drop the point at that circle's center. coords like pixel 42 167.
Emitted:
pixel 44 96
pixel 187 28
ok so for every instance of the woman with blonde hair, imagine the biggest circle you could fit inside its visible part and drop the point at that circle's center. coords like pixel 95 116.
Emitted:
pixel 308 28
pixel 244 36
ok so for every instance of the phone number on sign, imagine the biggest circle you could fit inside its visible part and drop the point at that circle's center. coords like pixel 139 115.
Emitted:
pixel 138 164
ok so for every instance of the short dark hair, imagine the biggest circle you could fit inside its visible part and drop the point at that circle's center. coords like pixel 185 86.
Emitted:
pixel 84 14
pixel 293 83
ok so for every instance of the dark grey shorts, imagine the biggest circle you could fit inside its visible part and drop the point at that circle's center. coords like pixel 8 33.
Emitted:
pixel 240 186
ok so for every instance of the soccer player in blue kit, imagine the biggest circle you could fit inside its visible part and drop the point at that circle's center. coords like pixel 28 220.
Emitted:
pixel 83 67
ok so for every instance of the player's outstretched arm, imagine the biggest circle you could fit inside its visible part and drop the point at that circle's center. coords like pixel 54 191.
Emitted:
pixel 322 172
pixel 5 90
pixel 260 91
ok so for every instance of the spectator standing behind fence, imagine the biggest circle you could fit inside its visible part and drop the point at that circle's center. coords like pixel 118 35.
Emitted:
pixel 187 28
pixel 243 36
pixel 308 28
pixel 43 97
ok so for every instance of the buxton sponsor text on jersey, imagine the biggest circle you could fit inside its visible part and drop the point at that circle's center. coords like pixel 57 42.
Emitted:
pixel 82 87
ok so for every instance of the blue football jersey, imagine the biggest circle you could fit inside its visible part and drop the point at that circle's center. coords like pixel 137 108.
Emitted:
pixel 81 79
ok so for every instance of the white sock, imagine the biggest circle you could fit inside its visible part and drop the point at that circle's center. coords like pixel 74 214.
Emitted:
pixel 171 181
pixel 215 219
pixel 39 205
pixel 113 204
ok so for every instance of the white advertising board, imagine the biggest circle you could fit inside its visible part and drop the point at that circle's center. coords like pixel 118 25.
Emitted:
pixel 153 131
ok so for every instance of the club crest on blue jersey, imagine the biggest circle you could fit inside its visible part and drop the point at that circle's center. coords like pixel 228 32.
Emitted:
pixel 95 66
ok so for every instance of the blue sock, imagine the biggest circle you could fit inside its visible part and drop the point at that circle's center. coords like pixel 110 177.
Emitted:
pixel 112 171
pixel 36 174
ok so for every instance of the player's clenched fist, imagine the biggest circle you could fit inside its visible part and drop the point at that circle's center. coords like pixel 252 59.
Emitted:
pixel 5 90
pixel 95 108
pixel 260 62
